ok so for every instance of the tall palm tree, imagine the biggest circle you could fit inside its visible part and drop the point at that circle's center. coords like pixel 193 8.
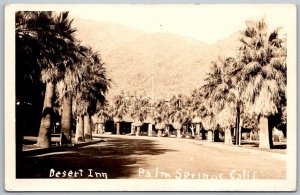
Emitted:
pixel 66 119
pixel 208 113
pixel 262 75
pixel 28 35
pixel 91 88
pixel 49 38
pixel 224 96
pixel 52 74
pixel 66 88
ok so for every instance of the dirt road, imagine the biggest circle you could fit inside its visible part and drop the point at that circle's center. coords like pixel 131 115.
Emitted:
pixel 143 157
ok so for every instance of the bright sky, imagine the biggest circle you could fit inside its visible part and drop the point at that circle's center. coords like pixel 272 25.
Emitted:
pixel 207 23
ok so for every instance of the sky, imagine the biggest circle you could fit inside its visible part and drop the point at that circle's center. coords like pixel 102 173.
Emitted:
pixel 206 23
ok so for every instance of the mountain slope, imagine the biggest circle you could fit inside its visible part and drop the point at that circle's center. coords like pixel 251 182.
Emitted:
pixel 157 65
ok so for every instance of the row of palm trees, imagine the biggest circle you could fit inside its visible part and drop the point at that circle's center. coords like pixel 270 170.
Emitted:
pixel 247 88
pixel 73 74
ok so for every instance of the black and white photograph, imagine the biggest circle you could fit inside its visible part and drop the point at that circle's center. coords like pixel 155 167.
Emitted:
pixel 150 97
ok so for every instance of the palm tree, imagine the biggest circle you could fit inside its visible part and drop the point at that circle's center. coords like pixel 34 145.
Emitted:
pixel 159 125
pixel 177 113
pixel 49 38
pixel 118 110
pixel 208 122
pixel 150 116
pixel 53 74
pixel 28 44
pixel 92 85
pixel 100 118
pixel 262 75
pixel 194 105
pixel 66 119
pixel 178 120
pixel 224 97
pixel 208 113
pixel 160 116
pixel 66 88
pixel 138 111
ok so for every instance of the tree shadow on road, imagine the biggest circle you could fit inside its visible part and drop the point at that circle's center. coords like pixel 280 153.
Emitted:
pixel 119 158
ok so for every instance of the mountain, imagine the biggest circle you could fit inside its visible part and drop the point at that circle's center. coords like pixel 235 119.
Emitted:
pixel 157 65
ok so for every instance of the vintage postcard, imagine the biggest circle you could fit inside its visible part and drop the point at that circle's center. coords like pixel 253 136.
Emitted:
pixel 150 97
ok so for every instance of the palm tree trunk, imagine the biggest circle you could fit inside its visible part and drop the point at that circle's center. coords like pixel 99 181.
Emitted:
pixel 138 131
pixel 240 131
pixel 96 128
pixel 228 137
pixel 237 129
pixel 100 128
pixel 79 137
pixel 118 128
pixel 132 128
pixel 159 133
pixel 66 120
pixel 193 132
pixel 44 138
pixel 178 133
pixel 210 136
pixel 251 135
pixel 87 127
pixel 197 129
pixel 92 126
pixel 150 129
pixel 167 131
pixel 265 133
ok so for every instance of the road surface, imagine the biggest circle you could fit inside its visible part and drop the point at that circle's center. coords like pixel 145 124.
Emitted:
pixel 120 157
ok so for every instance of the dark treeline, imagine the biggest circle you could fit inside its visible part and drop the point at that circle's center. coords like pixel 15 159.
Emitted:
pixel 55 76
